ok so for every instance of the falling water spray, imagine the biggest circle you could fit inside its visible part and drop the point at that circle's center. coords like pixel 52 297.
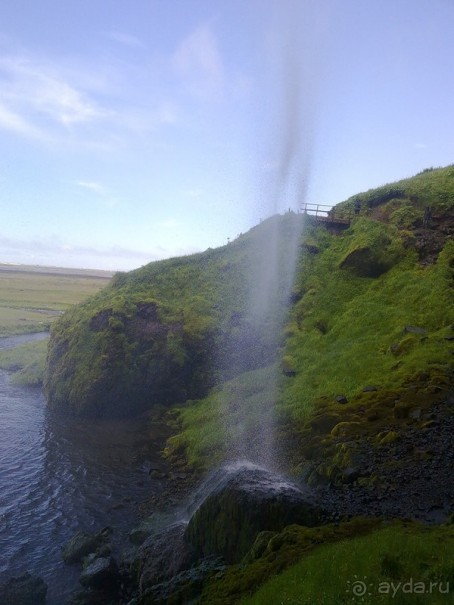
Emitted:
pixel 250 426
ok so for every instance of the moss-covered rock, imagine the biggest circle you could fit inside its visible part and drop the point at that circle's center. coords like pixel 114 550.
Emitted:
pixel 245 501
pixel 81 545
pixel 277 552
pixel 121 362
pixel 163 555
pixel 169 331
pixel 184 587
pixel 401 562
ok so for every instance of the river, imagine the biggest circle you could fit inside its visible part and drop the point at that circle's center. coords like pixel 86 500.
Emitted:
pixel 59 475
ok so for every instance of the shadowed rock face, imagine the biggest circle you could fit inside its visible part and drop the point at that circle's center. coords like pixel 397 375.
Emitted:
pixel 101 574
pixel 82 544
pixel 163 555
pixel 24 590
pixel 245 500
pixel 365 262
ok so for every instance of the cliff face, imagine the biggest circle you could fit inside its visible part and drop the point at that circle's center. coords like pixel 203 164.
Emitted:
pixel 124 357
pixel 170 331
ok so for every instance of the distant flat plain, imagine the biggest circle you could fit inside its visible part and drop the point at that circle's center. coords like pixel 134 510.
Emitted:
pixel 32 297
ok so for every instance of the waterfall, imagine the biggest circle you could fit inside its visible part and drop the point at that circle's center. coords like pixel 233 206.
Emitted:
pixel 295 44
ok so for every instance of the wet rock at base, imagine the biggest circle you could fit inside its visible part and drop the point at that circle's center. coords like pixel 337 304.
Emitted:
pixel 23 590
pixel 101 574
pixel 184 587
pixel 139 534
pixel 163 555
pixel 245 500
pixel 82 544
pixel 228 511
pixel 91 597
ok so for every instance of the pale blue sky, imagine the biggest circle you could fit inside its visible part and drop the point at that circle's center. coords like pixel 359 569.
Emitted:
pixel 136 131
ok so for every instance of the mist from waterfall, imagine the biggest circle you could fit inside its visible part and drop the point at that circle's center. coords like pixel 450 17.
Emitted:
pixel 296 50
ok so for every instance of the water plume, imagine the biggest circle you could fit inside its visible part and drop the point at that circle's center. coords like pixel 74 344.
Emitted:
pixel 249 425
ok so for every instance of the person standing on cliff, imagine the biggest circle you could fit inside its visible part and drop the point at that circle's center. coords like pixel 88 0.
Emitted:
pixel 427 217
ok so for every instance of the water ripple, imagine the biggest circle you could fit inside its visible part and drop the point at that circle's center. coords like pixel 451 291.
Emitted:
pixel 59 475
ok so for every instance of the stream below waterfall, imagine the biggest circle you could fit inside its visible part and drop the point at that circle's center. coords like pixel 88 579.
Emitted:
pixel 59 475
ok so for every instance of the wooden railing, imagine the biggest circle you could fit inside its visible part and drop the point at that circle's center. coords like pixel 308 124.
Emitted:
pixel 324 213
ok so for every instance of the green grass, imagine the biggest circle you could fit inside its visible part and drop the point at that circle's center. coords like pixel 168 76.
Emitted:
pixel 228 419
pixel 392 566
pixel 171 330
pixel 19 320
pixel 31 299
pixel 403 202
pixel 26 361
pixel 345 332
pixel 348 331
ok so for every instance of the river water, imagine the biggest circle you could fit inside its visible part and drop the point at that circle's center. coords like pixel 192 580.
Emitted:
pixel 59 475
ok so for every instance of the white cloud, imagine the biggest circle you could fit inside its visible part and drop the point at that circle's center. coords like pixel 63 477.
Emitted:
pixel 57 253
pixel 63 103
pixel 193 193
pixel 15 123
pixel 144 121
pixel 125 39
pixel 170 223
pixel 92 186
pixel 37 90
pixel 100 190
pixel 198 62
pixel 271 165
pixel 96 105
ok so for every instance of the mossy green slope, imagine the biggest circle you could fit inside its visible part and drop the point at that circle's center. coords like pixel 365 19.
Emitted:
pixel 405 201
pixel 371 307
pixel 350 330
pixel 172 330
pixel 402 564
pixel 169 331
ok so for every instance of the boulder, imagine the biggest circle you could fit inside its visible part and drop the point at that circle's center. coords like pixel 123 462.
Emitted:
pixel 82 544
pixel 184 587
pixel 341 399
pixel 366 262
pixel 163 555
pixel 243 500
pixel 138 535
pixel 23 590
pixel 91 597
pixel 101 574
